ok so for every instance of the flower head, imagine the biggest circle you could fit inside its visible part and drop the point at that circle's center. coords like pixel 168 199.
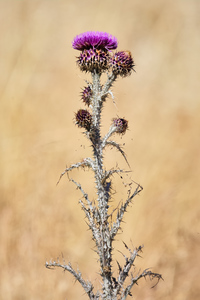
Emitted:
pixel 122 63
pixel 83 119
pixel 94 40
pixel 86 95
pixel 94 47
pixel 120 125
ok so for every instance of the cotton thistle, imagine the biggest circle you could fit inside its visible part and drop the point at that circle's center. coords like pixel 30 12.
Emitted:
pixel 97 57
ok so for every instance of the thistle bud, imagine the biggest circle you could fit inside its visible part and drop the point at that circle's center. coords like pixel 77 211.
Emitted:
pixel 122 63
pixel 83 119
pixel 120 125
pixel 86 95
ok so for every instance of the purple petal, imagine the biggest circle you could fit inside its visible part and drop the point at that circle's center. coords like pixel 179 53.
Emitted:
pixel 95 40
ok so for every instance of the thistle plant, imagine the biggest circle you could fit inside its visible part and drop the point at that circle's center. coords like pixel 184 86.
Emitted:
pixel 97 56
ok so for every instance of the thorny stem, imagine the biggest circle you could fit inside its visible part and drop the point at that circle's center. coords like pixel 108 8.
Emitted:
pixel 105 247
pixel 87 286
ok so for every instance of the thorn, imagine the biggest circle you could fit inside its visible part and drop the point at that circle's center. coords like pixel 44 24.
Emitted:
pixel 125 245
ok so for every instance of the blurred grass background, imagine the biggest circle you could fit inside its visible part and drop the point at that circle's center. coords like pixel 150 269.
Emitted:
pixel 40 86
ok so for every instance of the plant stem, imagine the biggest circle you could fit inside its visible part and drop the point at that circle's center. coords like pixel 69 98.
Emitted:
pixel 105 246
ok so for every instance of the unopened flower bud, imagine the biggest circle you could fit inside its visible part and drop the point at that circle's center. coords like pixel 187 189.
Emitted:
pixel 122 63
pixel 86 95
pixel 83 119
pixel 120 125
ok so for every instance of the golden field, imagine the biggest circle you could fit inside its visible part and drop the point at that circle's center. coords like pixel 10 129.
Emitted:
pixel 40 86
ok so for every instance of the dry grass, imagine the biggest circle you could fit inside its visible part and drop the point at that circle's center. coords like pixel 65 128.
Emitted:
pixel 40 87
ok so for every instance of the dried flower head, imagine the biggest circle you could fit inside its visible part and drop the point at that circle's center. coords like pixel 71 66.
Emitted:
pixel 86 95
pixel 94 40
pixel 120 125
pixel 83 119
pixel 122 63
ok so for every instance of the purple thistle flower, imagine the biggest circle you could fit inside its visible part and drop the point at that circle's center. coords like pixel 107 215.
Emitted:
pixel 95 56
pixel 94 40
